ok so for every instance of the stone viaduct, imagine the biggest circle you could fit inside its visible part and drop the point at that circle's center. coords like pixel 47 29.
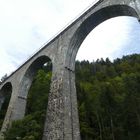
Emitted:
pixel 62 116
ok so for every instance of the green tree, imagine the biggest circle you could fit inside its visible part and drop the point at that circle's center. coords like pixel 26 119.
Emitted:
pixel 32 125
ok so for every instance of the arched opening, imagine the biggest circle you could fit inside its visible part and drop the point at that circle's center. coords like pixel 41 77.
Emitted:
pixel 91 22
pixel 5 95
pixel 32 101
pixel 113 38
pixel 105 97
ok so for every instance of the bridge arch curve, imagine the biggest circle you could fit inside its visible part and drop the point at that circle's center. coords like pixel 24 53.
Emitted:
pixel 5 96
pixel 91 22
pixel 26 84
pixel 36 65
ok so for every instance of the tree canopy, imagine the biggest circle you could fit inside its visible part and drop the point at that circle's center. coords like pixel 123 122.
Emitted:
pixel 108 95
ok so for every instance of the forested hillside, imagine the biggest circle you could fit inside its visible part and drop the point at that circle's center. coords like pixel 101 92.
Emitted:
pixel 108 96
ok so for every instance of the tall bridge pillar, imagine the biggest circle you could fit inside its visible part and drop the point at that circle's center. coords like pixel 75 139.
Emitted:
pixel 62 122
pixel 62 116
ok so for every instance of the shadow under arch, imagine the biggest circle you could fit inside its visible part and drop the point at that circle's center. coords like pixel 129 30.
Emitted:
pixel 36 65
pixel 21 113
pixel 26 84
pixel 5 96
pixel 91 22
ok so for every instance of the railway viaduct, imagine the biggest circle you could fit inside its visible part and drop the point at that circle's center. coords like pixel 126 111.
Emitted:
pixel 62 116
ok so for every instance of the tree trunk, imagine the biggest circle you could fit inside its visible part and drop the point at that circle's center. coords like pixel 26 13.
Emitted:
pixel 100 126
pixel 112 127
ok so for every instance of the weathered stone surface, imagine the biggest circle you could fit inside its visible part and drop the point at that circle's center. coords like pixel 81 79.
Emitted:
pixel 62 116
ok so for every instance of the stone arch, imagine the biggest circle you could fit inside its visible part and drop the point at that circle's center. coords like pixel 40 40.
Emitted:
pixel 36 65
pixel 26 83
pixel 91 22
pixel 5 96
pixel 86 26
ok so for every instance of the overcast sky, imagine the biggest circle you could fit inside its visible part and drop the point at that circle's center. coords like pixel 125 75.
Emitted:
pixel 25 25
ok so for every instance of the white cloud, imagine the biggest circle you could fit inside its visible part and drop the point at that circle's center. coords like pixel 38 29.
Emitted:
pixel 27 24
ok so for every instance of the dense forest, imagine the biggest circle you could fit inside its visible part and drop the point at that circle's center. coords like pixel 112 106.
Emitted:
pixel 108 96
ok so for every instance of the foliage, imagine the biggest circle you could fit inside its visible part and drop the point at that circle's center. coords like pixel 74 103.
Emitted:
pixel 31 126
pixel 3 78
pixel 5 94
pixel 108 96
